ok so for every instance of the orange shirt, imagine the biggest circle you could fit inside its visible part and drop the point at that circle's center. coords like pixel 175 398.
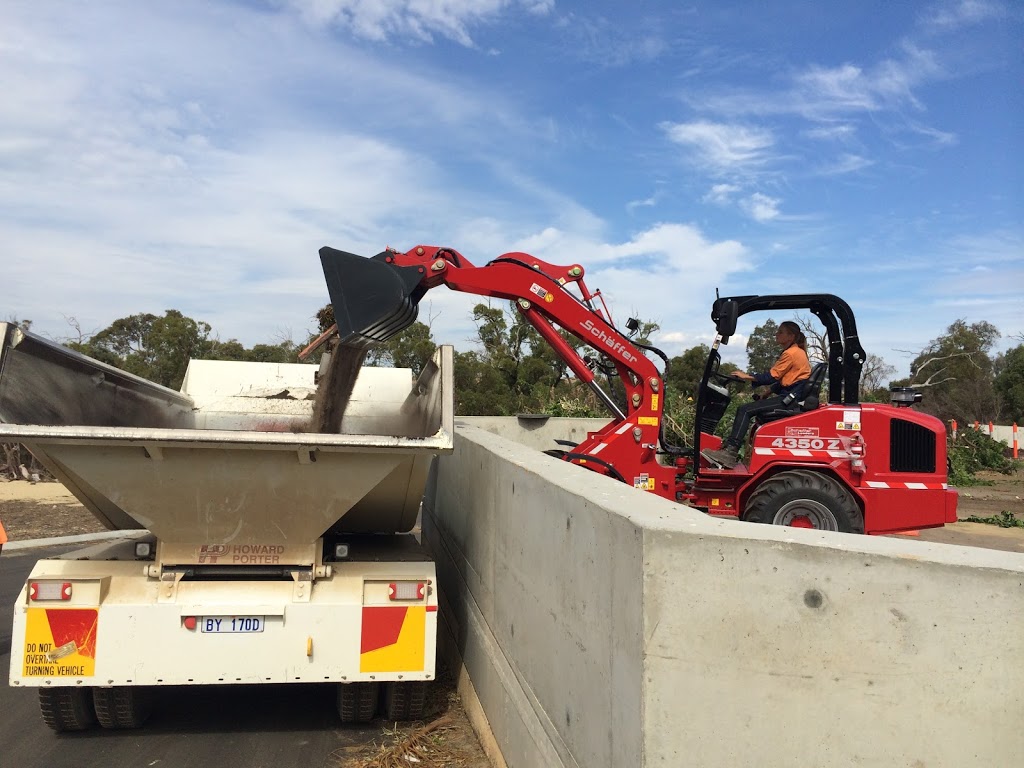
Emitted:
pixel 3 534
pixel 791 367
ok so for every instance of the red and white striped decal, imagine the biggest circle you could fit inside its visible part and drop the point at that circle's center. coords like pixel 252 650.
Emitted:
pixel 601 445
pixel 802 452
pixel 911 486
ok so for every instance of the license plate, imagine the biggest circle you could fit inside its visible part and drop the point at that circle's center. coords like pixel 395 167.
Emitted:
pixel 219 624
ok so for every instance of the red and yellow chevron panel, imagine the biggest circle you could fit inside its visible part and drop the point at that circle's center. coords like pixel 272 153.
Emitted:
pixel 393 639
pixel 60 642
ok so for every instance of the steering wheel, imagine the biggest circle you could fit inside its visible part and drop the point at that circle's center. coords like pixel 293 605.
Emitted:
pixel 728 378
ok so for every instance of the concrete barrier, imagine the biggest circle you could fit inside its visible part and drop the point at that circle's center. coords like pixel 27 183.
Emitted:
pixel 606 627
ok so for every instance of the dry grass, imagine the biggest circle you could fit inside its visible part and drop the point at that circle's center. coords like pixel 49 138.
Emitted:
pixel 428 746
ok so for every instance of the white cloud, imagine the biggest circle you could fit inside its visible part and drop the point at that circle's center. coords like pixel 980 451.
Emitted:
pixel 961 13
pixel 761 207
pixel 647 202
pixel 721 194
pixel 420 19
pixel 832 132
pixel 605 44
pixel 828 95
pixel 846 163
pixel 722 146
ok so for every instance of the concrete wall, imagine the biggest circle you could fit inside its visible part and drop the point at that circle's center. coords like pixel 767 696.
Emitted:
pixel 605 627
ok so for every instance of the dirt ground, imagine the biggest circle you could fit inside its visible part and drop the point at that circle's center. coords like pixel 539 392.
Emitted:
pixel 1001 494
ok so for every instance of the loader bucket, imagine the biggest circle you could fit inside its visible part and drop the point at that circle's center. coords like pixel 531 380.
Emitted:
pixel 372 300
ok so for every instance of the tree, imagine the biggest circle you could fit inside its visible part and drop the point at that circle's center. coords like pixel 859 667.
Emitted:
pixel 1009 384
pixel 686 370
pixel 155 348
pixel 874 377
pixel 874 374
pixel 480 390
pixel 762 351
pixel 412 348
pixel 957 372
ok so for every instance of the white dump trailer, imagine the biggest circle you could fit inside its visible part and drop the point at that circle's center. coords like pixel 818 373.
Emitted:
pixel 253 552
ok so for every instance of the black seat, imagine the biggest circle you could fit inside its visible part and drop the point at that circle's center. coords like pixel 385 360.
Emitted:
pixel 804 399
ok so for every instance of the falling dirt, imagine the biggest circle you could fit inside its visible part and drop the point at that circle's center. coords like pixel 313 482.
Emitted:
pixel 335 389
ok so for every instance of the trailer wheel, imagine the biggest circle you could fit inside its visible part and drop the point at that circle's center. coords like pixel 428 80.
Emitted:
pixel 357 702
pixel 122 707
pixel 67 709
pixel 404 701
pixel 804 499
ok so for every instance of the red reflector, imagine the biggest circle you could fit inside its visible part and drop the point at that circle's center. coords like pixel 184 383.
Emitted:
pixel 49 590
pixel 189 622
pixel 407 590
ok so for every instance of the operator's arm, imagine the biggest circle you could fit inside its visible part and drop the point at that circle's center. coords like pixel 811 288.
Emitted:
pixel 787 374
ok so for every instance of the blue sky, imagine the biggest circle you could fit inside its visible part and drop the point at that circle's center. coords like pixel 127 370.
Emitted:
pixel 196 154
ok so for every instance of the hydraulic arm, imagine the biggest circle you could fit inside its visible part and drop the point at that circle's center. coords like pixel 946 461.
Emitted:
pixel 375 298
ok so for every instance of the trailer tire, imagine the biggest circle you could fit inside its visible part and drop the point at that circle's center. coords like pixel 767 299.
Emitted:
pixel 405 701
pixel 357 702
pixel 67 709
pixel 122 707
pixel 813 498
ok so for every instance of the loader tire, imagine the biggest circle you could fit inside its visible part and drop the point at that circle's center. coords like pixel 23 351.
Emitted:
pixel 804 499
pixel 123 707
pixel 357 702
pixel 404 701
pixel 67 709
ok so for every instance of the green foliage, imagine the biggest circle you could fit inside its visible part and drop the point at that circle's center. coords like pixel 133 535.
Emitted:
pixel 1009 384
pixel 762 351
pixel 516 372
pixel 1005 519
pixel 973 451
pixel 412 348
pixel 153 347
pixel 680 413
pixel 955 372
pixel 685 371
pixel 480 389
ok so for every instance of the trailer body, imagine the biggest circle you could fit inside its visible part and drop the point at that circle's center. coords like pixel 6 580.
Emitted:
pixel 253 552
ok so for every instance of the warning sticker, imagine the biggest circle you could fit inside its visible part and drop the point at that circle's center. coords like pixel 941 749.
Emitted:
pixel 539 291
pixel 644 482
pixel 654 402
pixel 60 642
pixel 649 421
pixel 848 426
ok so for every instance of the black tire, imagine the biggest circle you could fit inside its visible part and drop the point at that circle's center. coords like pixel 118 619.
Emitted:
pixel 67 709
pixel 803 493
pixel 122 707
pixel 404 701
pixel 357 702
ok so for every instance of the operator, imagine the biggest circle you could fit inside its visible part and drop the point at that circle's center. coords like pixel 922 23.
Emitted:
pixel 788 375
pixel 3 536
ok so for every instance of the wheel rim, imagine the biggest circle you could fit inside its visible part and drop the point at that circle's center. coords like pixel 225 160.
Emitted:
pixel 806 513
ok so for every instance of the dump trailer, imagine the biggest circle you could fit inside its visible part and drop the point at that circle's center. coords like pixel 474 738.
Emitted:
pixel 254 551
